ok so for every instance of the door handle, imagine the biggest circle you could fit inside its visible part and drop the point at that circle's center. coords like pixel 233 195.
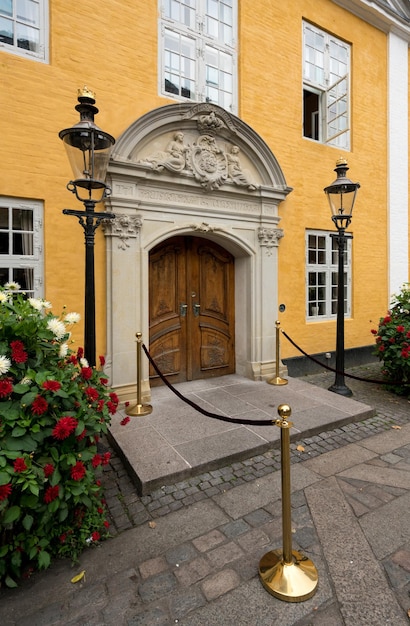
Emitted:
pixel 183 309
pixel 195 308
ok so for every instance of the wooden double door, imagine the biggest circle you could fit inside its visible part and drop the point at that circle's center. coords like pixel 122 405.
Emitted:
pixel 191 309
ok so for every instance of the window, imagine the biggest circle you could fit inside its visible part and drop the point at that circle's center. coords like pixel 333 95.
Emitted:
pixel 321 275
pixel 23 27
pixel 21 244
pixel 198 56
pixel 326 69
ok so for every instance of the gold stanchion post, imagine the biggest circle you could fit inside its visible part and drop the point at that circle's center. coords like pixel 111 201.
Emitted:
pixel 287 574
pixel 139 408
pixel 277 380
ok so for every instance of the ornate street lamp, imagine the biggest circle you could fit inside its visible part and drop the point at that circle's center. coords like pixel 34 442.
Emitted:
pixel 341 195
pixel 88 150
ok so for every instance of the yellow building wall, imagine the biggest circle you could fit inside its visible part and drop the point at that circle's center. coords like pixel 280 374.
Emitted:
pixel 114 51
pixel 271 102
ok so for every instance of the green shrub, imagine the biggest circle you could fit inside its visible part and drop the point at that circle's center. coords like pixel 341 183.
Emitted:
pixel 393 342
pixel 53 409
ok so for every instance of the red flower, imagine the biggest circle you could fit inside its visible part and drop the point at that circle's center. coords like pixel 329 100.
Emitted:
pixel 408 334
pixel 100 405
pixel 96 460
pixel 405 353
pixel 102 361
pixel 78 471
pixel 400 329
pixel 392 340
pixel 51 385
pixel 48 469
pixel 86 372
pixel 19 465
pixel 51 494
pixel 106 458
pixel 100 510
pixel 82 435
pixel 373 331
pixel 39 405
pixel 5 387
pixel 72 359
pixel 104 381
pixel 91 393
pixel 64 427
pixel 95 536
pixel 114 398
pixel 18 354
pixel 5 491
pixel 381 348
pixel 63 537
pixel 125 421
pixel 386 320
pixel 98 483
pixel 80 353
pixel 112 408
pixel 106 524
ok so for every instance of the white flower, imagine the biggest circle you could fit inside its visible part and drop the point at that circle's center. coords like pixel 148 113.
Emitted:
pixel 25 381
pixel 3 297
pixel 57 327
pixel 72 318
pixel 12 286
pixel 39 304
pixel 62 353
pixel 84 362
pixel 5 364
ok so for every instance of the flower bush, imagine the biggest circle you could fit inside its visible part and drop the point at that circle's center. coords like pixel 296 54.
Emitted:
pixel 53 409
pixel 393 342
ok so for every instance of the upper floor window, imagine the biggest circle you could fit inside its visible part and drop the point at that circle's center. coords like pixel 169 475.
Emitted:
pixel 326 77
pixel 322 275
pixel 21 244
pixel 23 27
pixel 198 51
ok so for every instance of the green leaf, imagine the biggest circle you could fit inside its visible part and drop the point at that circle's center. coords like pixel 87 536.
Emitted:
pixel 28 521
pixel 11 515
pixel 4 478
pixel 21 388
pixel 43 560
pixel 3 551
pixel 54 454
pixel 29 501
pixel 10 582
pixel 34 488
pixel 28 398
pixel 25 443
pixel 18 431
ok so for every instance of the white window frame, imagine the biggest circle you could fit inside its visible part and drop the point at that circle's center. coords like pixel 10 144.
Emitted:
pixel 33 261
pixel 203 90
pixel 321 294
pixel 331 83
pixel 43 30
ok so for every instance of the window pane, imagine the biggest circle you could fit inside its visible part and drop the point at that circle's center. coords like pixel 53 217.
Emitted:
pixel 4 275
pixel 4 243
pixel 22 219
pixel 28 12
pixel 22 244
pixel 4 217
pixel 25 278
pixel 6 31
pixel 6 7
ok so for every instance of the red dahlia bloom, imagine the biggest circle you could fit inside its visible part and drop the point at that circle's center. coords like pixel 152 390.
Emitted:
pixel 96 460
pixel 95 536
pixel 19 465
pixel 114 398
pixel 48 469
pixel 18 354
pixel 106 458
pixel 373 331
pixel 80 353
pixel 51 385
pixel 400 329
pixel 5 387
pixel 83 434
pixel 381 348
pixel 5 491
pixel 86 372
pixel 63 537
pixel 102 361
pixel 104 381
pixel 91 393
pixel 78 471
pixel 64 427
pixel 39 405
pixel 386 320
pixel 51 494
pixel 72 359
pixel 112 408
pixel 106 524
pixel 125 421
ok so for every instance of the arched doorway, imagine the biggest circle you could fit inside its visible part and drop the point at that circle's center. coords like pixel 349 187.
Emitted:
pixel 191 309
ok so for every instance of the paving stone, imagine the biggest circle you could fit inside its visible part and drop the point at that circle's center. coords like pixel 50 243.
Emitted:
pixel 221 556
pixel 235 528
pixel 258 517
pixel 220 583
pixel 208 541
pixel 185 602
pixel 253 540
pixel 181 554
pixel 192 572
pixel 157 586
pixel 156 615
pixel 153 566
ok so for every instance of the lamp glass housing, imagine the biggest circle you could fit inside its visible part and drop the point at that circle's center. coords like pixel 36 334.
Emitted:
pixel 88 150
pixel 341 195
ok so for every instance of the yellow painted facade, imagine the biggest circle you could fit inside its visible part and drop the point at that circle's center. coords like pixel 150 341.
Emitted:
pixel 114 51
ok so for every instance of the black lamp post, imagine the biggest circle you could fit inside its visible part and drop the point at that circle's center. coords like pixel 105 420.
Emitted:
pixel 88 150
pixel 341 195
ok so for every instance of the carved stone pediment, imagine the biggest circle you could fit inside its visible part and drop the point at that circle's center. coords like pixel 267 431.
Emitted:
pixel 202 153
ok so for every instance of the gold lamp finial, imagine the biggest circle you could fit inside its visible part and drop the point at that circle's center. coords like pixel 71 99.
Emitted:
pixel 341 161
pixel 86 93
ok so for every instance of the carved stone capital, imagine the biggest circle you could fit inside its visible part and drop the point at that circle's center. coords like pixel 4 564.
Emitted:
pixel 124 227
pixel 269 237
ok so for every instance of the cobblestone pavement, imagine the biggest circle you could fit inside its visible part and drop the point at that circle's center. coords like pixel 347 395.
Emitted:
pixel 189 553
pixel 127 509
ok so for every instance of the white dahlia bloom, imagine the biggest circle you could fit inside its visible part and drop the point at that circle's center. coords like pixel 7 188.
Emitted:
pixel 57 327
pixel 5 364
pixel 72 318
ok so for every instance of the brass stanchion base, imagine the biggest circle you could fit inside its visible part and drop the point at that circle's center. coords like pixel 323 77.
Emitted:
pixel 278 381
pixel 292 582
pixel 139 409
